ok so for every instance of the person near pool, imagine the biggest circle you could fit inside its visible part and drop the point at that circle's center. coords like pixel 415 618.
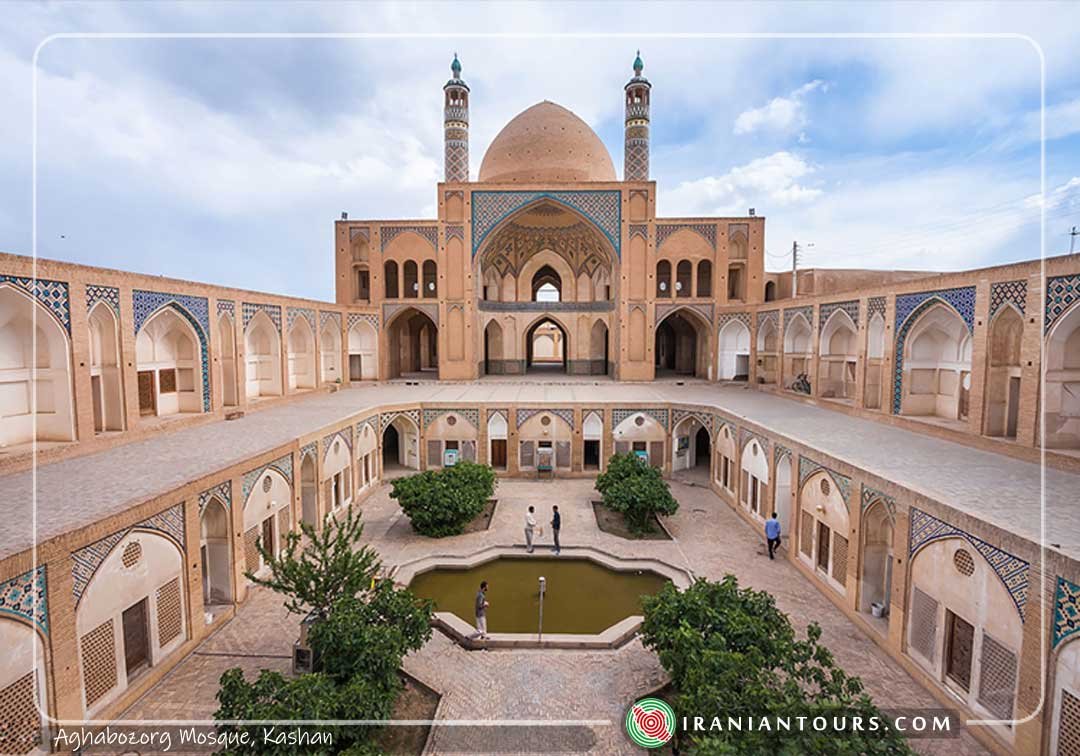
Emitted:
pixel 556 523
pixel 530 529
pixel 481 612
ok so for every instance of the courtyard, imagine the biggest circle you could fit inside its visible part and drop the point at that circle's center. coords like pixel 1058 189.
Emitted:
pixel 537 686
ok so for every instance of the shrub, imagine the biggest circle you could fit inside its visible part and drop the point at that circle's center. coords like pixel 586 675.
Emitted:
pixel 441 503
pixel 636 490
pixel 732 653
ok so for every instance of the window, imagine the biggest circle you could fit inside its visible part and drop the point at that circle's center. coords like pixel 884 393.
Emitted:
pixel 704 279
pixel 823 546
pixel 663 279
pixel 430 279
pixel 684 275
pixel 734 284
pixel 167 382
pixel 390 272
pixel 363 284
pixel 412 285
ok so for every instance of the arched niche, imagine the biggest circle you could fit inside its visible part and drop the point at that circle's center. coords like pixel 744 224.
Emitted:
pixel 641 432
pixel 107 394
pixel 725 473
pixel 22 685
pixel 681 345
pixel 1061 410
pixel 330 352
pixel 131 616
pixel 875 581
pixel 301 355
pixel 34 362
pixel 401 445
pixel 733 352
pixel 937 365
pixel 167 358
pixel 215 554
pixel 838 357
pixel 544 441
pixel 367 450
pixel 875 362
pixel 754 478
pixel 363 352
pixel 262 346
pixel 691 444
pixel 1003 374
pixel 227 340
pixel 824 529
pixel 266 517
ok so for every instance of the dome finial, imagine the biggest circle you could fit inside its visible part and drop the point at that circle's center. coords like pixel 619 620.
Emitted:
pixel 455 67
pixel 638 65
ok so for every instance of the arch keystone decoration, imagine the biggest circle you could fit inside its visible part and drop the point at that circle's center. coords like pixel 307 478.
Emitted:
pixel 602 207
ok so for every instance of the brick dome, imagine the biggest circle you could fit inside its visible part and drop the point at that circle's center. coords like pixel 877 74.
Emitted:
pixel 546 143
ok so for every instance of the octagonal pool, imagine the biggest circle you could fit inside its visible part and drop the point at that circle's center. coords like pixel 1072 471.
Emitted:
pixel 582 596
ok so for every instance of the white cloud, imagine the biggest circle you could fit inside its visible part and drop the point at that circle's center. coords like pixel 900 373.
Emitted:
pixel 780 114
pixel 772 180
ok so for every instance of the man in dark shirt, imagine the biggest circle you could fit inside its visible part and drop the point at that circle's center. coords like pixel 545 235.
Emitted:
pixel 556 523
pixel 481 612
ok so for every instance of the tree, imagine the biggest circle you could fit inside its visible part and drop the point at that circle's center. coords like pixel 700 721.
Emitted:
pixel 441 503
pixel 637 490
pixel 313 576
pixel 732 653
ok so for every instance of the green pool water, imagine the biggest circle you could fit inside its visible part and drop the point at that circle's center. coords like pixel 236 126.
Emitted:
pixel 582 596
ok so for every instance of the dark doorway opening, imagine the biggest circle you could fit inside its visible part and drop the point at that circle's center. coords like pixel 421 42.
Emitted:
pixel 136 639
pixel 701 448
pixel 391 447
pixel 592 454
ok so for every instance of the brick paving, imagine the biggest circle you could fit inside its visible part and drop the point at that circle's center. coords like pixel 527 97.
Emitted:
pixel 710 539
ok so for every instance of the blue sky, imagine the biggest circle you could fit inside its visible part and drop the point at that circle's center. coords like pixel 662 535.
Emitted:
pixel 227 160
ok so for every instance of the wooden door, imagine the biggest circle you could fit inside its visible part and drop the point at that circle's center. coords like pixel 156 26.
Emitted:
pixel 960 639
pixel 823 534
pixel 268 534
pixel 136 638
pixel 147 400
pixel 498 453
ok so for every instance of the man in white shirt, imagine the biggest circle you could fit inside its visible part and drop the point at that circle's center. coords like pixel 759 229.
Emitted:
pixel 530 528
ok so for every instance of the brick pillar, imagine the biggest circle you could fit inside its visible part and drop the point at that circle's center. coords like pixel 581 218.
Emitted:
pixel 63 640
pixel 83 417
pixel 979 351
pixel 753 376
pixel 483 455
pixel 128 365
pixel 1033 672
pixel 888 362
pixel 193 561
pixel 781 357
pixel 577 447
pixel 854 555
pixel 512 443
pixel 899 588
pixel 860 352
pixel 237 512
pixel 1027 426
pixel 815 352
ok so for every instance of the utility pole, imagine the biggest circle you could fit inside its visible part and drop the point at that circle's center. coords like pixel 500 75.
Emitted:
pixel 1072 238
pixel 794 269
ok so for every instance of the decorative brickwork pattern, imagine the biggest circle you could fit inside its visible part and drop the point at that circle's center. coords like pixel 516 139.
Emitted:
pixel 1061 292
pixel 328 441
pixel 20 723
pixel 431 310
pixel 251 550
pixel 826 310
pixel 98 661
pixel 745 435
pixel 85 561
pixel 1011 292
pixel 663 310
pixel 1012 570
pixel 678 415
pixel 170 619
pixel 602 207
pixel 524 414
pixel 26 597
pixel 806 311
pixel 363 317
pixel 282 464
pixel 429 234
pixel 923 636
pixel 386 418
pixel 52 294
pixel 222 491
pixel 808 467
pixel 307 449
pixel 619 415
pixel 226 307
pixel 706 231
pixel 997 683
pixel 870 495
pixel 639 229
pixel 839 559
pixel 806 534
pixel 875 305
pixel 909 308
pixel 455 232
pixel 292 313
pixel 771 316
pixel 1066 610
pixel 471 415
pixel 1069 725
pixel 330 317
pixel 272 311
pixel 726 317
pixel 363 232
pixel 195 310
pixel 110 295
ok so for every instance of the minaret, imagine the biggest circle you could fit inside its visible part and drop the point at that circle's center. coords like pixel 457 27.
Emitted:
pixel 456 126
pixel 636 155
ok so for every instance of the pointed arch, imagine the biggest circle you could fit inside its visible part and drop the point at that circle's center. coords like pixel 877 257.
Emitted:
pixel 262 347
pixel 35 367
pixel 301 355
pixel 876 526
pixel 838 356
pixel 363 352
pixel 1061 410
pixel 106 380
pixel 227 339
pixel 494 354
pixel 733 352
pixel 330 351
pixel 169 364
pixel 412 343
pixel 547 344
pixel 215 553
pixel 934 362
pixel 1003 372
pixel 682 344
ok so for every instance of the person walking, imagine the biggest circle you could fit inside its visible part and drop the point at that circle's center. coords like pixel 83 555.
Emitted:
pixel 772 533
pixel 530 529
pixel 556 523
pixel 481 612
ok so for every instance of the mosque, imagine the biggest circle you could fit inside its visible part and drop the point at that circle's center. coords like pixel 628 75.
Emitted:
pixel 909 428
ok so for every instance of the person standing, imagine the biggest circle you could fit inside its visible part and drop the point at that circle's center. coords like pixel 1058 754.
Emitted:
pixel 530 528
pixel 481 612
pixel 556 523
pixel 772 533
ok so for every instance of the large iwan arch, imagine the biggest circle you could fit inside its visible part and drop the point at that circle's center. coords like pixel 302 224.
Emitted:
pixel 167 356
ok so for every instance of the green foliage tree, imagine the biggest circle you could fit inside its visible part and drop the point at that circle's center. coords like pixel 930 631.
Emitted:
pixel 442 502
pixel 732 653
pixel 636 490
pixel 330 565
